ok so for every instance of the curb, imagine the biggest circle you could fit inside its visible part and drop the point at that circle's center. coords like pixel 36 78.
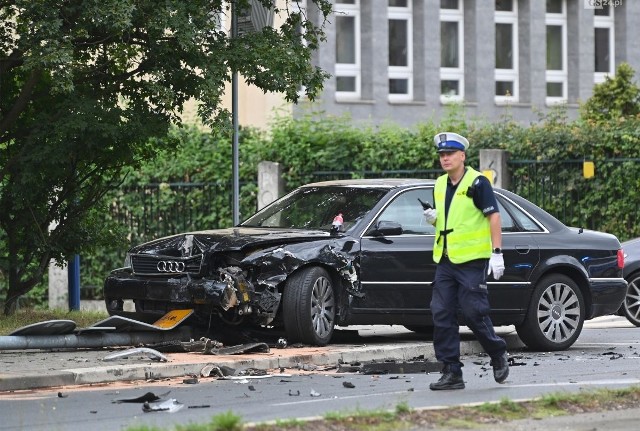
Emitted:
pixel 286 358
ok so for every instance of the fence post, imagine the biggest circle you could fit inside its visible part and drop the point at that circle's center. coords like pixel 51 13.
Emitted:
pixel 493 163
pixel 270 183
pixel 58 285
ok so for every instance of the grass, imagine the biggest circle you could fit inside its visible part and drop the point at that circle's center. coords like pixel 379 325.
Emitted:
pixel 404 418
pixel 22 318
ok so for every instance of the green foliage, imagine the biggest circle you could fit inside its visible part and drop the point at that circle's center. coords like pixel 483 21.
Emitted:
pixel 24 317
pixel 616 99
pixel 504 407
pixel 403 408
pixel 226 421
pixel 87 86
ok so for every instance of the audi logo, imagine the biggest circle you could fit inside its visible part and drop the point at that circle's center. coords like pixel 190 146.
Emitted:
pixel 170 266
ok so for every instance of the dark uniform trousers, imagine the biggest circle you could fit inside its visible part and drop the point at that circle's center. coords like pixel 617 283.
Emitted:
pixel 462 286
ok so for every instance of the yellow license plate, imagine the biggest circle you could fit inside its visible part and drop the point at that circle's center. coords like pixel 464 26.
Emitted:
pixel 172 319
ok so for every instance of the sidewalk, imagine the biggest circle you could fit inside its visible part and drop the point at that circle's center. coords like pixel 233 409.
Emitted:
pixel 30 369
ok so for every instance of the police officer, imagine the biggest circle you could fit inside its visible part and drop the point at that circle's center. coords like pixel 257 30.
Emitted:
pixel 467 250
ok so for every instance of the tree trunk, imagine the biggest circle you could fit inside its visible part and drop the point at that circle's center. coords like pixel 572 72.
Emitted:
pixel 10 305
pixel 21 282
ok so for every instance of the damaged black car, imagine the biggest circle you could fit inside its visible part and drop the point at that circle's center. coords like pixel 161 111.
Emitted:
pixel 359 252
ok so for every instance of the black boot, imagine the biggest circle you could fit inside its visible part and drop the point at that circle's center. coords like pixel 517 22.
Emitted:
pixel 449 380
pixel 500 368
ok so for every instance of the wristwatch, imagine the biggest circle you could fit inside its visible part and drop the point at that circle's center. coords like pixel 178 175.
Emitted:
pixel 497 250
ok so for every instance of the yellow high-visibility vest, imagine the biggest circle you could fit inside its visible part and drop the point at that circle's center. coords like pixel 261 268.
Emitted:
pixel 467 230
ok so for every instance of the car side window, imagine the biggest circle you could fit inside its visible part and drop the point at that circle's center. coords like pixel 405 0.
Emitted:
pixel 515 220
pixel 406 209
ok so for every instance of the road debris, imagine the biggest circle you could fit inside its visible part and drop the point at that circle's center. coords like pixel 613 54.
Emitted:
pixel 191 380
pixel 153 354
pixel 149 397
pixel 171 405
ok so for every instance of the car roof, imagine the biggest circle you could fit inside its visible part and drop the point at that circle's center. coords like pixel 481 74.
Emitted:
pixel 374 182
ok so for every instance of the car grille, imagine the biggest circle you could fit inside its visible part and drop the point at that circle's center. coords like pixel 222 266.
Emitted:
pixel 148 265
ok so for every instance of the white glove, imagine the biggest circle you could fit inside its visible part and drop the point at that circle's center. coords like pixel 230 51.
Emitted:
pixel 430 215
pixel 496 265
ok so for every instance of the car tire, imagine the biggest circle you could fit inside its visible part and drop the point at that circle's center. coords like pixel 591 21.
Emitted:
pixel 631 304
pixel 555 316
pixel 309 307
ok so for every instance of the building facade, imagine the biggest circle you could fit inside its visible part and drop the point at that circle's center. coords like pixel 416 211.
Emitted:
pixel 410 61
pixel 406 61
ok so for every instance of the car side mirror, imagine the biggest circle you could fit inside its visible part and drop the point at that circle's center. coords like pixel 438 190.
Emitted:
pixel 385 227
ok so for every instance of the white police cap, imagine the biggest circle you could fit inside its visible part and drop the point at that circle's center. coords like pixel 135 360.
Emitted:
pixel 448 141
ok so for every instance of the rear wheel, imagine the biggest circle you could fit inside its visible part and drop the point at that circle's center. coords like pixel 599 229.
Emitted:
pixel 309 307
pixel 631 304
pixel 556 315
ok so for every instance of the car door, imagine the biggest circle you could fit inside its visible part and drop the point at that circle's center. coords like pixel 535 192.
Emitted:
pixel 510 295
pixel 397 270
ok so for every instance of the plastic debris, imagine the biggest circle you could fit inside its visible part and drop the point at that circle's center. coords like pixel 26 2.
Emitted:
pixel 191 380
pixel 146 398
pixel 153 354
pixel 171 405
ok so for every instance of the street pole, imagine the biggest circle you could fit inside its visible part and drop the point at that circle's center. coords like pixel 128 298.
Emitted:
pixel 74 282
pixel 234 116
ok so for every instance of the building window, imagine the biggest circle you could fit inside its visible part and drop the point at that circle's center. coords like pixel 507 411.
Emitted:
pixel 556 73
pixel 604 39
pixel 506 75
pixel 400 50
pixel 347 67
pixel 451 51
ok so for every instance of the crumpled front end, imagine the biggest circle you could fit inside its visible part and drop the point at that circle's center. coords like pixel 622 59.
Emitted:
pixel 154 297
pixel 232 283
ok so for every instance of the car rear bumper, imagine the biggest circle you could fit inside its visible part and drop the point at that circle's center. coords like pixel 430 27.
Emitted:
pixel 606 295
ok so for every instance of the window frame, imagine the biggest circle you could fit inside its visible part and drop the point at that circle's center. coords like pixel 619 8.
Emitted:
pixel 350 70
pixel 605 22
pixel 402 72
pixel 513 74
pixel 558 76
pixel 454 73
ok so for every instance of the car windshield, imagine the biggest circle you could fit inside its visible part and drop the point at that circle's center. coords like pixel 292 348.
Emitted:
pixel 316 207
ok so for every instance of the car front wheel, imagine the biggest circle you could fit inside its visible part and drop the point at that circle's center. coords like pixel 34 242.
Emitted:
pixel 309 307
pixel 631 304
pixel 556 315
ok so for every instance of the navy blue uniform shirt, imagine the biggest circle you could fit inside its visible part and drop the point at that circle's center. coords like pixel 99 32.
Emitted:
pixel 483 197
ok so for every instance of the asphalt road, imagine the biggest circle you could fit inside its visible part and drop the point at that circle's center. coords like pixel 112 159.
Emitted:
pixel 606 355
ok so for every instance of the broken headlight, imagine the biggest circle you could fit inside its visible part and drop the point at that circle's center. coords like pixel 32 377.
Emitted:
pixel 127 261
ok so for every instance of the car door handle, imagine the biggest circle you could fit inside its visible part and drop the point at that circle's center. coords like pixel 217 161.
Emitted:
pixel 523 249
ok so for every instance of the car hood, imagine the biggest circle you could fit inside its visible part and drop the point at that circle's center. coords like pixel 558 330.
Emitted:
pixel 231 239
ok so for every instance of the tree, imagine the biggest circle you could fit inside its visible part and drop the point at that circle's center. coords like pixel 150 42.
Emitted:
pixel 85 84
pixel 616 98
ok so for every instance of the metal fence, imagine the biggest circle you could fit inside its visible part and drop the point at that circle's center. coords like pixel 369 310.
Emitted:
pixel 404 173
pixel 153 210
pixel 605 201
pixel 560 188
